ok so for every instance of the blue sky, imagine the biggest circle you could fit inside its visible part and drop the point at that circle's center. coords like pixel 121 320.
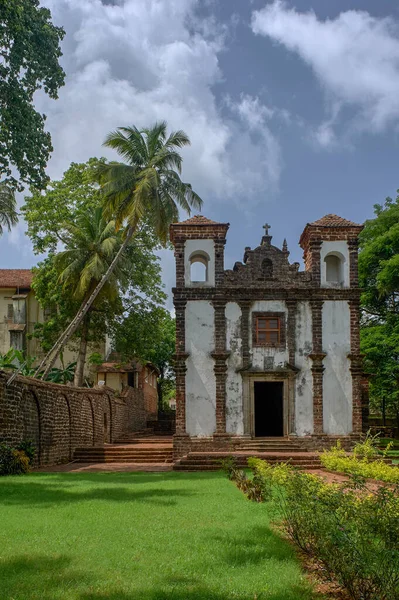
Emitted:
pixel 292 108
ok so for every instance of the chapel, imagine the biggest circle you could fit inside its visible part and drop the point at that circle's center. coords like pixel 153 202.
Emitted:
pixel 264 349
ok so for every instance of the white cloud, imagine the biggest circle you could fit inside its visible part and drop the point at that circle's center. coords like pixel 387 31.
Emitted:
pixel 255 117
pixel 138 61
pixel 354 56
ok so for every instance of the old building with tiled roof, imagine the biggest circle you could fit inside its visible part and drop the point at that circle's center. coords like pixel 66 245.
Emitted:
pixel 20 312
pixel 266 349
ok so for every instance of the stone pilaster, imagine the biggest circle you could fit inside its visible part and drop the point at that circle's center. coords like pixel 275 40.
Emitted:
pixel 245 306
pixel 353 245
pixel 219 261
pixel 356 367
pixel 179 258
pixel 220 356
pixel 291 343
pixel 317 357
pixel 290 336
pixel 180 367
pixel 315 260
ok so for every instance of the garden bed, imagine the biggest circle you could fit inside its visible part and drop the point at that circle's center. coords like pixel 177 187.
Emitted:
pixel 349 530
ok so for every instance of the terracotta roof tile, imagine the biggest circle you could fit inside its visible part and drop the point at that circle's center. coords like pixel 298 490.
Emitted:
pixel 14 278
pixel 334 221
pixel 199 220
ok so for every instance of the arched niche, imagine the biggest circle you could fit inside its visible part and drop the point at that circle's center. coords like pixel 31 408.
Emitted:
pixel 61 447
pixel 199 267
pixel 31 422
pixel 334 264
pixel 87 423
pixel 267 268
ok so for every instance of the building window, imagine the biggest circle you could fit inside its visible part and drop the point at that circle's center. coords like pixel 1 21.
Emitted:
pixel 17 340
pixel 269 329
pixel 10 312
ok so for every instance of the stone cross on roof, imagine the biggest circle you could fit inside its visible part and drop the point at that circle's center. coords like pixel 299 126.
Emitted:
pixel 266 227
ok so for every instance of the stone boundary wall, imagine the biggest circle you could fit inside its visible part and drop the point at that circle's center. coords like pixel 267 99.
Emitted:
pixel 58 419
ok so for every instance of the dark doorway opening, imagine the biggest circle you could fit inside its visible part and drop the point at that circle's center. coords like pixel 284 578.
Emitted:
pixel 269 408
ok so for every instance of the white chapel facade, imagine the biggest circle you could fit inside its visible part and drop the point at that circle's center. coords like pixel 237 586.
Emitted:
pixel 264 349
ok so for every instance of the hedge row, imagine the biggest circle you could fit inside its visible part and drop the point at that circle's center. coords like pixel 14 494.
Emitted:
pixel 351 533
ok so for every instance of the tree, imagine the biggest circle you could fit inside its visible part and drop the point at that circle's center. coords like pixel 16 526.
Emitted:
pixel 147 187
pixel 91 244
pixel 59 216
pixel 30 51
pixel 379 278
pixel 148 332
pixel 380 344
pixel 8 208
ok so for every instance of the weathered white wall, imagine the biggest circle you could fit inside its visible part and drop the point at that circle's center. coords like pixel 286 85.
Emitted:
pixel 191 247
pixel 234 395
pixel 304 379
pixel 340 248
pixel 262 357
pixel 200 377
pixel 337 380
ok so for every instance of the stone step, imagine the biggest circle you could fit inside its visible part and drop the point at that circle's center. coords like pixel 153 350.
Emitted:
pixel 124 459
pixel 197 461
pixel 124 454
pixel 267 448
pixel 125 450
pixel 207 467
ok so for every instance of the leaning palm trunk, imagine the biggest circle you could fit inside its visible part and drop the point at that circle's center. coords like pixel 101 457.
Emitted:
pixel 80 365
pixel 52 355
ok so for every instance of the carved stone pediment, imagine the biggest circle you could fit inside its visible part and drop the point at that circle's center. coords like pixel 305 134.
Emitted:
pixel 266 266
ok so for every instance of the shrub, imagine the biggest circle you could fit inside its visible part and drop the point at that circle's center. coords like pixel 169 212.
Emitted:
pixel 337 459
pixel 29 448
pixel 353 535
pixel 229 466
pixel 13 461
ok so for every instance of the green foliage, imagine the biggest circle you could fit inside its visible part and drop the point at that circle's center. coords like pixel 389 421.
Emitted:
pixel 95 358
pixel 7 360
pixel 29 448
pixel 229 466
pixel 352 535
pixel 49 213
pixel 30 51
pixel 69 213
pixel 337 459
pixel 15 359
pixel 63 375
pixel 13 461
pixel 379 278
pixel 148 332
pixel 8 207
pixel 148 185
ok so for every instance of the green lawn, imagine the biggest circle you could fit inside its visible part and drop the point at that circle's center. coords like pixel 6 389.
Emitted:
pixel 140 536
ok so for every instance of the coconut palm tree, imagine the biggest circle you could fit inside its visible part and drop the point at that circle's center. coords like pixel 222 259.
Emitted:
pixel 8 208
pixel 91 244
pixel 147 185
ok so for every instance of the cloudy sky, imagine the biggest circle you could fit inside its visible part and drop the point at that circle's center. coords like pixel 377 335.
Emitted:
pixel 292 107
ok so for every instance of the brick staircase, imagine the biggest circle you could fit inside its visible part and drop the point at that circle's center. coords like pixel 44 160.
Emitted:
pixel 140 450
pixel 273 450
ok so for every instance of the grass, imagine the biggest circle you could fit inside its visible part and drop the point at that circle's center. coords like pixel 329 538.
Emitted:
pixel 140 536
